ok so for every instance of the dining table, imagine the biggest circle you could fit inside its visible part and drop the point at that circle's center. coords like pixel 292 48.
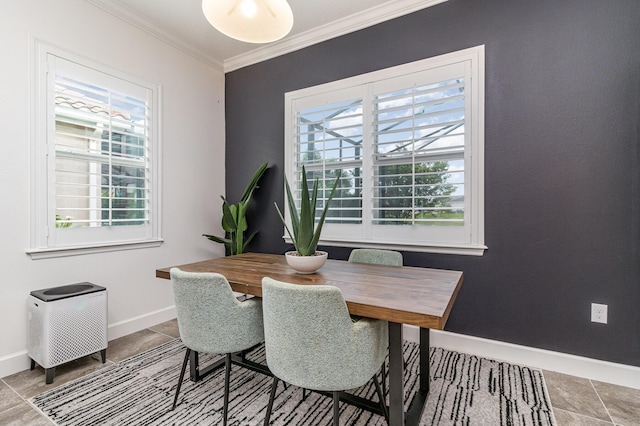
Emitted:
pixel 422 297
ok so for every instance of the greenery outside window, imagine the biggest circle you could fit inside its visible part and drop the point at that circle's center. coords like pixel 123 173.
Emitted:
pixel 409 144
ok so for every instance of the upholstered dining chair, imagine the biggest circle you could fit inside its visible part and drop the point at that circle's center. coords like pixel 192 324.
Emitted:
pixel 378 257
pixel 311 341
pixel 212 320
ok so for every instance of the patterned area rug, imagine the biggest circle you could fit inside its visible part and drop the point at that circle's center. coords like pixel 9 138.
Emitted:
pixel 465 390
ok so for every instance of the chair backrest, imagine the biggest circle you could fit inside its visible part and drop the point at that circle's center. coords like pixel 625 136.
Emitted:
pixel 311 341
pixel 210 318
pixel 376 257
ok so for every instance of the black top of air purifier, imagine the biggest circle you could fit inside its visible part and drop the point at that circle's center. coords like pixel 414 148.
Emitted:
pixel 65 291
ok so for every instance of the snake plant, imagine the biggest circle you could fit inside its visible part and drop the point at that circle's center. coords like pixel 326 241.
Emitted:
pixel 306 233
pixel 234 219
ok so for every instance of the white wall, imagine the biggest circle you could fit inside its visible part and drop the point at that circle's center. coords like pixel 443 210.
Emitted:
pixel 192 167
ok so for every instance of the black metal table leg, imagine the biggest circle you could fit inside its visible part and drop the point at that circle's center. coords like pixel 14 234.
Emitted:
pixel 396 373
pixel 425 349
pixel 397 416
pixel 414 414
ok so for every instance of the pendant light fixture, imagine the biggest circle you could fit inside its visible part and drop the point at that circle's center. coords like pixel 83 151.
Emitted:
pixel 253 21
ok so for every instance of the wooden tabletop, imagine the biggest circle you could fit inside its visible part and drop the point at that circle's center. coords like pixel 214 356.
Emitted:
pixel 402 294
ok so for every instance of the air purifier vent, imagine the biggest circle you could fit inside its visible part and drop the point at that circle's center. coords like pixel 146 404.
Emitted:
pixel 78 331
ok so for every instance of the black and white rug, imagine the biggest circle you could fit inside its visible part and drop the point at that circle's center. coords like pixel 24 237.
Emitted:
pixel 465 390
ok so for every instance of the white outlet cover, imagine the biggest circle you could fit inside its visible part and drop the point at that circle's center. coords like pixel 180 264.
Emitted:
pixel 599 313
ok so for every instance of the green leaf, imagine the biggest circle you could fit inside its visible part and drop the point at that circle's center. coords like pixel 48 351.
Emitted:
pixel 305 235
pixel 229 216
pixel 316 236
pixel 241 219
pixel 293 213
pixel 307 216
pixel 253 184
pixel 248 240
pixel 292 236
pixel 217 239
pixel 234 220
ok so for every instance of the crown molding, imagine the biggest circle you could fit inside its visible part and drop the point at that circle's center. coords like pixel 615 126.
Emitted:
pixel 128 15
pixel 346 25
pixel 367 18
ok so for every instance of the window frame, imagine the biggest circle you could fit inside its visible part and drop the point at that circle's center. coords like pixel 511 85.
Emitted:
pixel 43 233
pixel 472 242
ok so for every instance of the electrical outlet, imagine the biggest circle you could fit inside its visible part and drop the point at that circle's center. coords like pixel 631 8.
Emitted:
pixel 599 313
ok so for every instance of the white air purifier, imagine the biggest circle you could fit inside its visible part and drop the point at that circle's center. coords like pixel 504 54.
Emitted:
pixel 66 323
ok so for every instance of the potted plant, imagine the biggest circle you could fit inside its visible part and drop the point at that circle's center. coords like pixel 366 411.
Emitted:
pixel 305 232
pixel 234 220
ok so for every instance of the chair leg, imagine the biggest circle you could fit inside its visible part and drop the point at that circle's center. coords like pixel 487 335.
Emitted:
pixel 184 367
pixel 336 408
pixel 384 377
pixel 227 375
pixel 272 395
pixel 383 403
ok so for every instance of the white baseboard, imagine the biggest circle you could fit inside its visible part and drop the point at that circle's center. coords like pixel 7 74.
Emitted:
pixel 141 322
pixel 589 368
pixel 14 363
pixel 19 361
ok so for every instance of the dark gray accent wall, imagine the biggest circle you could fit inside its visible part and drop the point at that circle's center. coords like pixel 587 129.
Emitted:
pixel 562 143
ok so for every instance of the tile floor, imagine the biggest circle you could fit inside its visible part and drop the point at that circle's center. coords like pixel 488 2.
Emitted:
pixel 575 401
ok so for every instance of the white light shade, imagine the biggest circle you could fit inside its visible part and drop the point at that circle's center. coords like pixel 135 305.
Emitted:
pixel 253 21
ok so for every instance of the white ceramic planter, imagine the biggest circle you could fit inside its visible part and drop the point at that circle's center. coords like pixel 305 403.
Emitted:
pixel 306 264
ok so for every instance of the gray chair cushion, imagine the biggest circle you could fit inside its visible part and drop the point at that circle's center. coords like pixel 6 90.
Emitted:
pixel 311 341
pixel 210 318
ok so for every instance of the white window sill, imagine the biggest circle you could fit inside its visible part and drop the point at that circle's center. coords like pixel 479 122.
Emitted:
pixel 49 253
pixel 460 249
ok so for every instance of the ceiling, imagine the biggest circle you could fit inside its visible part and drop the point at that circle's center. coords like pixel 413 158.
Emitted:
pixel 182 24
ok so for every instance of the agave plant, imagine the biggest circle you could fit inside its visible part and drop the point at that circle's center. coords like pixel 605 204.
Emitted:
pixel 234 219
pixel 306 233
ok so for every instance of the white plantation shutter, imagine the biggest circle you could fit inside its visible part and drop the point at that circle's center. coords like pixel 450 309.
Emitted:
pixel 328 141
pixel 418 149
pixel 409 143
pixel 102 156
pixel 99 155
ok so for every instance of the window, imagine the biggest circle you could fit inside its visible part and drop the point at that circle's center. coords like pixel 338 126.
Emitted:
pixel 407 143
pixel 96 157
